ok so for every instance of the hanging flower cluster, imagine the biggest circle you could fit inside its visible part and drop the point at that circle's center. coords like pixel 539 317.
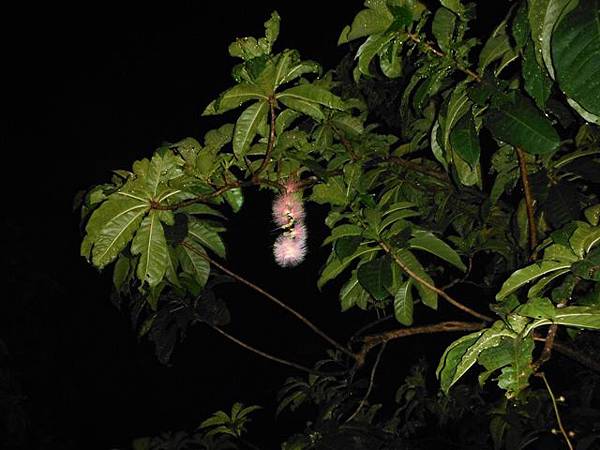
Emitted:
pixel 288 213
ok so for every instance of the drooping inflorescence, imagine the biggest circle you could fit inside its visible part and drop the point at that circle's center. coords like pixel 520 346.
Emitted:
pixel 288 213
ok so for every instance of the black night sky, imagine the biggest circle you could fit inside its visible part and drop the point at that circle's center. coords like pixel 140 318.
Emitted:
pixel 91 89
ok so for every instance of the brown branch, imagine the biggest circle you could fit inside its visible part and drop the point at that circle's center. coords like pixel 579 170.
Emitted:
pixel 199 198
pixel 416 39
pixel 547 350
pixel 417 168
pixel 428 285
pixel 274 299
pixel 275 358
pixel 271 142
pixel 345 142
pixel 573 354
pixel 370 388
pixel 528 202
pixel 443 327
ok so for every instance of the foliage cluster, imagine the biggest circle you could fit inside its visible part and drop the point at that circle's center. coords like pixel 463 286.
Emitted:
pixel 486 176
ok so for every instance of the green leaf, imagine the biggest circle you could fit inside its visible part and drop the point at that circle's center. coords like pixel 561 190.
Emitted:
pixel 121 271
pixel 206 236
pixel 539 287
pixel 335 266
pixel 586 317
pixel 366 22
pixel 305 107
pixel 584 238
pixel 192 261
pixel 452 356
pixel 428 297
pixel 497 47
pixel 334 191
pixel 115 234
pixel 443 26
pixel 150 243
pixel 424 240
pixel 455 6
pixel 246 125
pixel 404 304
pixel 537 83
pixel 517 122
pixel 376 277
pixel 464 140
pixel 312 94
pixel 466 355
pixel 576 55
pixel 516 377
pixel 343 231
pixel 458 105
pixel 235 198
pixel 371 47
pixel 537 308
pixel 528 274
pixel 352 293
pixel 234 98
pixel 543 16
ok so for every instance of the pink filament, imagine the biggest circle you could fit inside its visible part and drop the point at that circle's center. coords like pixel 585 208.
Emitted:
pixel 288 213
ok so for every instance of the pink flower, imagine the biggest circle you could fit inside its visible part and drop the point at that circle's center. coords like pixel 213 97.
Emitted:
pixel 290 247
pixel 287 209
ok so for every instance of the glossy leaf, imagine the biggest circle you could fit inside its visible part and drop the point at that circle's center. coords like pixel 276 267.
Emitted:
pixel 428 242
pixel 464 140
pixel 116 233
pixel 404 303
pixel 543 16
pixel 151 245
pixel 527 274
pixel 246 126
pixel 376 277
pixel 312 94
pixel 517 122
pixel 352 293
pixel 206 236
pixel 428 297
pixel 576 55
pixel 234 98
pixel 466 352
pixel 193 262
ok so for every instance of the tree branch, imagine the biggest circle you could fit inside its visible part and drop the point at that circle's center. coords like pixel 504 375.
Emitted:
pixel 556 412
pixel 416 39
pixel 428 285
pixel 274 358
pixel 274 299
pixel 443 327
pixel 569 352
pixel 371 379
pixel 271 142
pixel 528 202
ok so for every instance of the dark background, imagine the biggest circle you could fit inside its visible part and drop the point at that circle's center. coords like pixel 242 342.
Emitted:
pixel 90 89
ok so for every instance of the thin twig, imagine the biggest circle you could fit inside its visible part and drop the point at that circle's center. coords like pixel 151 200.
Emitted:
pixel 443 327
pixel 569 352
pixel 345 142
pixel 528 202
pixel 547 350
pixel 416 39
pixel 199 198
pixel 371 379
pixel 417 168
pixel 556 412
pixel 369 326
pixel 274 299
pixel 271 142
pixel 428 285
pixel 274 358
